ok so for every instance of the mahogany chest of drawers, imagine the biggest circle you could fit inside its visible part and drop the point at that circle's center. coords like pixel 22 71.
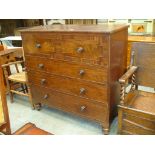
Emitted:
pixel 76 68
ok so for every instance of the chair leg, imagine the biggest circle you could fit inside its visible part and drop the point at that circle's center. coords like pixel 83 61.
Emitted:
pixel 23 89
pixel 30 97
pixel 9 91
pixel 8 130
pixel 11 96
pixel 136 87
pixel 8 84
pixel 26 88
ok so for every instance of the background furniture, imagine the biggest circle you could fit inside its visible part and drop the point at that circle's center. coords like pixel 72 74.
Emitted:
pixel 137 108
pixel 77 68
pixel 136 26
pixel 19 77
pixel 31 129
pixel 69 21
pixel 81 21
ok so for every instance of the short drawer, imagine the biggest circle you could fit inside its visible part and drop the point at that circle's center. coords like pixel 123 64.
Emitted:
pixel 83 46
pixel 66 68
pixel 72 86
pixel 83 107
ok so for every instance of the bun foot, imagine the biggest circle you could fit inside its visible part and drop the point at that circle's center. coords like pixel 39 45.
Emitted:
pixel 38 106
pixel 106 131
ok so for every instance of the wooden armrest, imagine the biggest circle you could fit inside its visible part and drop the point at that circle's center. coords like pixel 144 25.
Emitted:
pixel 128 74
pixel 12 63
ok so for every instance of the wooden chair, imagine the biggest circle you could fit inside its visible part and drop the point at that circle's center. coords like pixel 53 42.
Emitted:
pixel 4 116
pixel 136 112
pixel 27 129
pixel 17 82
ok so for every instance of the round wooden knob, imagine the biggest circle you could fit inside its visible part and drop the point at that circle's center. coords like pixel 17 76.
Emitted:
pixel 81 72
pixel 38 45
pixel 43 81
pixel 45 96
pixel 82 108
pixel 41 66
pixel 82 91
pixel 79 49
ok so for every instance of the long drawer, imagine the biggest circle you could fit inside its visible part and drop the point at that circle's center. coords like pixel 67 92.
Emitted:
pixel 72 86
pixel 69 69
pixel 83 46
pixel 84 107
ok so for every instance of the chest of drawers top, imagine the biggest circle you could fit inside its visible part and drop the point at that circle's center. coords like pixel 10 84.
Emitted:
pixel 105 28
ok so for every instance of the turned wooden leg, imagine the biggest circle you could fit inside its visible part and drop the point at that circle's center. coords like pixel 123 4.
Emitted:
pixel 26 89
pixel 136 87
pixel 23 89
pixel 122 94
pixel 33 107
pixel 38 106
pixel 105 129
pixel 11 97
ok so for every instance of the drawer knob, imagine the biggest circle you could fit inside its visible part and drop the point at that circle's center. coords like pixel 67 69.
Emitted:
pixel 79 49
pixel 82 91
pixel 45 96
pixel 43 81
pixel 82 108
pixel 81 72
pixel 41 66
pixel 38 45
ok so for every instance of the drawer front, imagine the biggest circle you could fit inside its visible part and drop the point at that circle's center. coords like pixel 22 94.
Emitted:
pixel 72 86
pixel 78 45
pixel 89 109
pixel 69 69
